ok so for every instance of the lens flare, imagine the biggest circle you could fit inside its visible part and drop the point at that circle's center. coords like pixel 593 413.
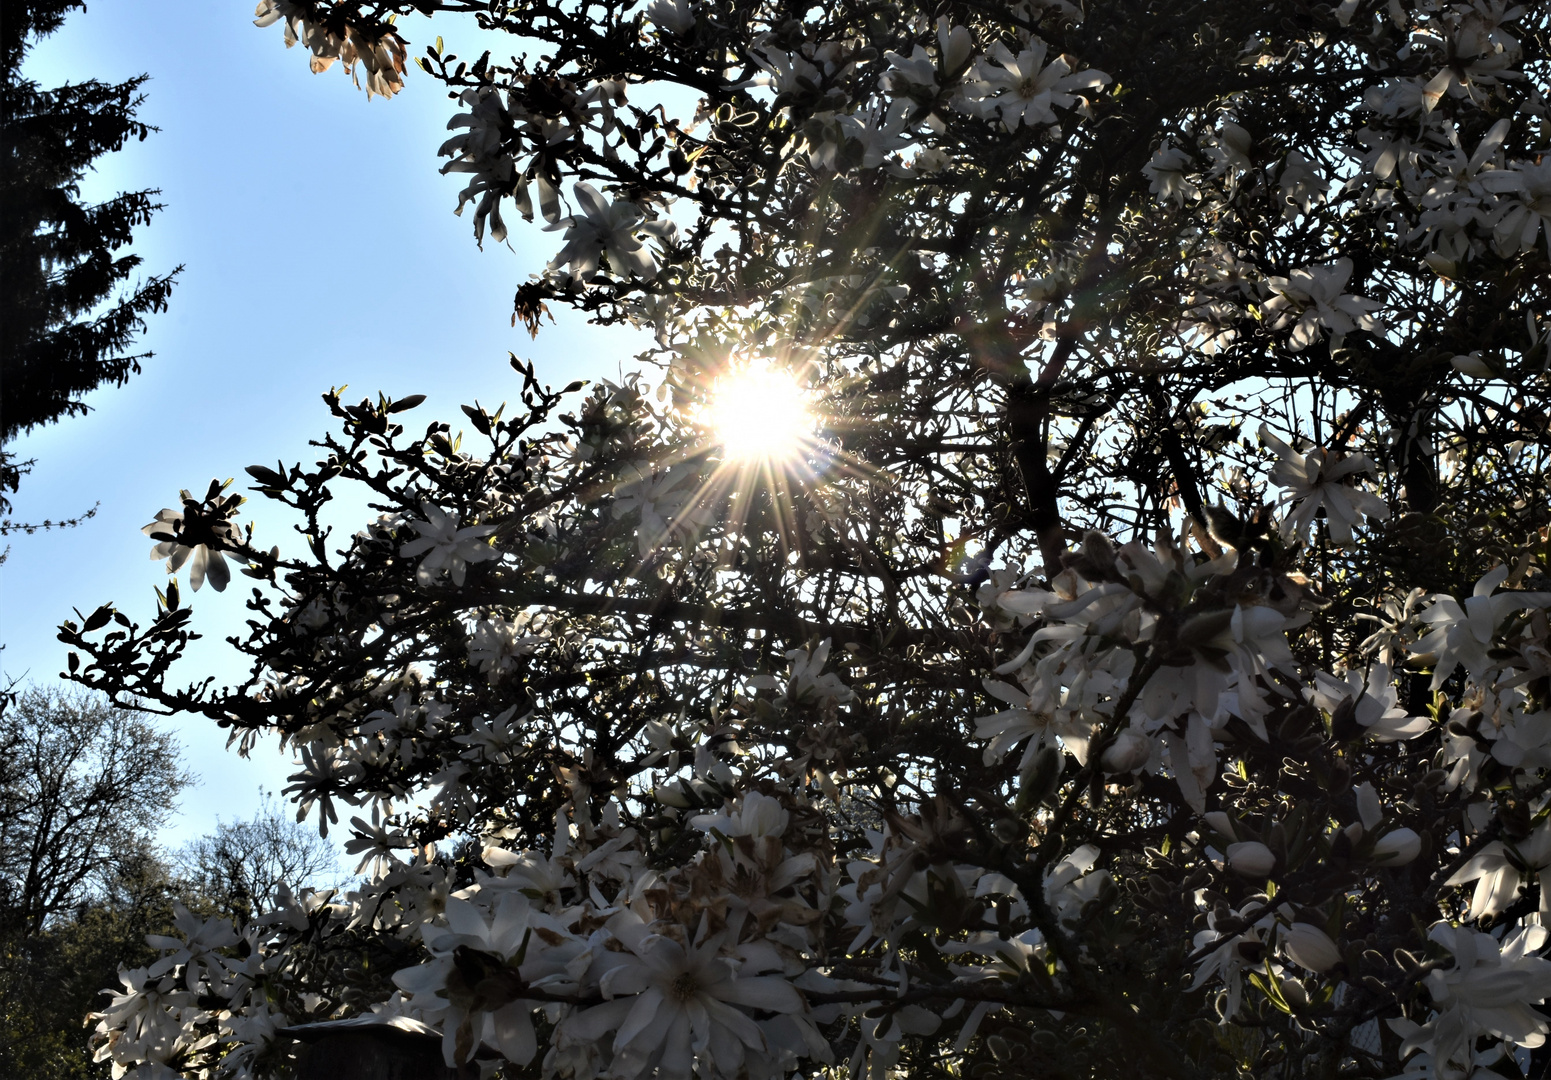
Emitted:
pixel 759 414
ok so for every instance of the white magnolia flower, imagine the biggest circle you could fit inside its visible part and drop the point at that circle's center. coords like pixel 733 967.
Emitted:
pixel 1317 481
pixel 1166 174
pixel 754 815
pixel 677 1008
pixel 1029 718
pixel 1398 847
pixel 1129 752
pixel 605 228
pixel 497 643
pixel 198 532
pixel 664 507
pixel 1231 955
pixel 1375 703
pixel 1301 184
pixel 1499 872
pixel 1491 990
pixel 807 681
pixel 1024 90
pixel 383 59
pixel 143 1023
pixel 474 1016
pixel 1315 298
pixel 196 950
pixel 1229 149
pixel 954 47
pixel 1461 634
pixel 674 16
pixel 1521 220
pixel 1071 883
pixel 447 548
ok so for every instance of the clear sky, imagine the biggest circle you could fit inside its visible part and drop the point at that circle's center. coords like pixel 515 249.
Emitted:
pixel 320 249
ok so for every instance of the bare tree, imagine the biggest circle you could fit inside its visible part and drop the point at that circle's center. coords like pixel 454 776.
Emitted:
pixel 83 788
pixel 241 866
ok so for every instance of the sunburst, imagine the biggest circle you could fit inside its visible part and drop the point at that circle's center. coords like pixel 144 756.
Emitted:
pixel 760 415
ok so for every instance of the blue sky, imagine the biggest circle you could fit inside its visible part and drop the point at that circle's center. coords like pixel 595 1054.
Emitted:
pixel 320 249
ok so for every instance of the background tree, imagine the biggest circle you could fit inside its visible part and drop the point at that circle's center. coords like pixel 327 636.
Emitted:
pixel 1060 597
pixel 242 867
pixel 87 785
pixel 50 981
pixel 68 312
pixel 84 788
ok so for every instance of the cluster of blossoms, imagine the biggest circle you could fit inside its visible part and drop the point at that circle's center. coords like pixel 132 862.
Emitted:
pixel 376 51
pixel 1139 661
pixel 754 949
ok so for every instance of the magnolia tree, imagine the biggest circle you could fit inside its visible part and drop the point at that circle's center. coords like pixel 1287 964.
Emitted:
pixel 1060 597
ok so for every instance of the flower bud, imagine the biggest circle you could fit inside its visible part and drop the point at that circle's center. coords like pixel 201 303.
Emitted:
pixel 1397 847
pixel 1222 823
pixel 1129 751
pixel 1310 947
pixel 671 795
pixel 1251 859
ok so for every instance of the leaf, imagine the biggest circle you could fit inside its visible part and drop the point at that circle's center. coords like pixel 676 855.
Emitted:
pixel 266 477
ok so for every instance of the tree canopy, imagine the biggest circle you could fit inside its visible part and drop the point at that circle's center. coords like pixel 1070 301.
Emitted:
pixel 69 313
pixel 1062 595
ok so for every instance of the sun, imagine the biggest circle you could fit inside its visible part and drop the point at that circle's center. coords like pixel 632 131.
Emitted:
pixel 759 414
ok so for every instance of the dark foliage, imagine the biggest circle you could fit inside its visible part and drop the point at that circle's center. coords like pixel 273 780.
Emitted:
pixel 70 306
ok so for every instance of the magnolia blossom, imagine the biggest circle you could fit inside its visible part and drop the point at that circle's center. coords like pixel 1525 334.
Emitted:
pixel 1023 89
pixel 1315 482
pixel 605 228
pixel 1226 956
pixel 490 1013
pixel 663 505
pixel 1229 149
pixel 807 681
pixel 1499 873
pixel 1375 703
pixel 675 1004
pixel 197 951
pixel 1251 858
pixel 497 643
pixel 1314 298
pixel 382 59
pixel 447 548
pixel 1166 174
pixel 1521 220
pixel 1462 634
pixel 1310 947
pixel 1491 989
pixel 674 16
pixel 197 532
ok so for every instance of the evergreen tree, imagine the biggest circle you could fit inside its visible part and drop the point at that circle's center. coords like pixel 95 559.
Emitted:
pixel 69 311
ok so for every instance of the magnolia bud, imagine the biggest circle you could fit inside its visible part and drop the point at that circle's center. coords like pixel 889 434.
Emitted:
pixel 1251 859
pixel 671 795
pixel 1369 809
pixel 1222 823
pixel 1129 751
pixel 1397 847
pixel 1310 947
